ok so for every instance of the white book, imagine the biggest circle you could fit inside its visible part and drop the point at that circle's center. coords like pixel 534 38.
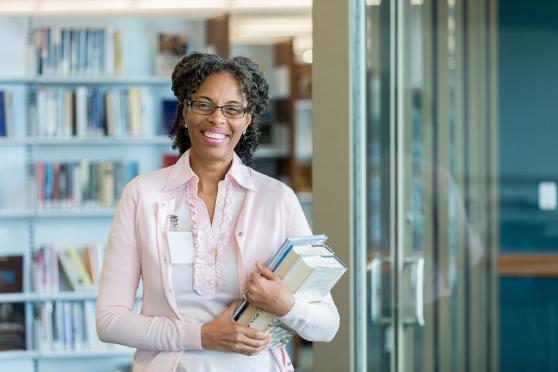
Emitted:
pixel 108 63
pixel 9 112
pixel 81 111
pixel 58 339
pixel 78 326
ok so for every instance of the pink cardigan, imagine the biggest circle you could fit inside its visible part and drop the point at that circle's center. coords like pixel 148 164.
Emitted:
pixel 137 248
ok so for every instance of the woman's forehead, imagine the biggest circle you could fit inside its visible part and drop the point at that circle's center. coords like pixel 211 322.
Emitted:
pixel 221 84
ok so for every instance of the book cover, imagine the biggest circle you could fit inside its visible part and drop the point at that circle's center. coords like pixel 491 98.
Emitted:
pixel 168 111
pixel 11 274
pixel 169 159
pixel 12 326
pixel 3 121
pixel 79 266
pixel 71 272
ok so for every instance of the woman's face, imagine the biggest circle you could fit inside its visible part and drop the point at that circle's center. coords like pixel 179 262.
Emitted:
pixel 214 136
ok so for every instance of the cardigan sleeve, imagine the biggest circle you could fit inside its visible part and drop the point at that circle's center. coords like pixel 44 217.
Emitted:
pixel 116 320
pixel 316 321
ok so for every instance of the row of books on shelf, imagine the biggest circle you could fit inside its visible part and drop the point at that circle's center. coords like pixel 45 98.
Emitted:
pixel 76 51
pixel 81 267
pixel 91 112
pixel 82 184
pixel 54 269
pixel 67 325
pixel 57 326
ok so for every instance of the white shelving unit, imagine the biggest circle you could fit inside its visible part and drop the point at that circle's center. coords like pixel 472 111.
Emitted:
pixel 24 226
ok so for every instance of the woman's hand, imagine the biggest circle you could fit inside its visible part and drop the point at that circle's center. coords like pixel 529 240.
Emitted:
pixel 268 293
pixel 224 334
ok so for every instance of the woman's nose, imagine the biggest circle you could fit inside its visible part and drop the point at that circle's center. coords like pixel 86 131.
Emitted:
pixel 217 116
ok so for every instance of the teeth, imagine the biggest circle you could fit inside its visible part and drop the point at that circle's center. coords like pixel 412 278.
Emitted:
pixel 214 135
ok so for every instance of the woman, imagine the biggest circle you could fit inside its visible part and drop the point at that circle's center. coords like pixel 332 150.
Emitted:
pixel 197 232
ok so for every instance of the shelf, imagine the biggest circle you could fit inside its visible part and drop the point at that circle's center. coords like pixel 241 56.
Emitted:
pixel 56 213
pixel 72 141
pixel 163 140
pixel 89 80
pixel 54 296
pixel 40 297
pixel 18 354
pixel 22 354
pixel 190 9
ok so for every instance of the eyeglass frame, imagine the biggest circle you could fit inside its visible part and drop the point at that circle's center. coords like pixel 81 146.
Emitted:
pixel 244 109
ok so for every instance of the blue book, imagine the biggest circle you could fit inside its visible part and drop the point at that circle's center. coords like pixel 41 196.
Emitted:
pixel 3 121
pixel 168 111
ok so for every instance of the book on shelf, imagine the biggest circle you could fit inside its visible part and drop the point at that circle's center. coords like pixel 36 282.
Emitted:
pixel 73 270
pixel 168 112
pixel 12 326
pixel 11 274
pixel 169 159
pixel 309 269
pixel 45 272
pixel 171 47
pixel 6 114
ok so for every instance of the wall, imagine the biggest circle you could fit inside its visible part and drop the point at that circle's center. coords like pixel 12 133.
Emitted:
pixel 528 48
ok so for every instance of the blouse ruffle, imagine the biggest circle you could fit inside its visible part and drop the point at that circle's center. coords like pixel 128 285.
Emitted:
pixel 208 268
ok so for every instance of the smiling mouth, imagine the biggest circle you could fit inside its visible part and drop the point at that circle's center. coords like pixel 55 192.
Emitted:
pixel 214 135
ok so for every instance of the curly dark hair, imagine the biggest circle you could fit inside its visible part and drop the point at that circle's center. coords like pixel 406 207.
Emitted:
pixel 188 76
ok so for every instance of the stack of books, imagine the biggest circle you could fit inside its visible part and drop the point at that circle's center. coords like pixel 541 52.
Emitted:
pixel 309 269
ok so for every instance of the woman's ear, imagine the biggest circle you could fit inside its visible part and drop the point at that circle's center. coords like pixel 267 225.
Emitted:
pixel 248 120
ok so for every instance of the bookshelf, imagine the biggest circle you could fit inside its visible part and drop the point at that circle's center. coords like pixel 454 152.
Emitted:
pixel 24 226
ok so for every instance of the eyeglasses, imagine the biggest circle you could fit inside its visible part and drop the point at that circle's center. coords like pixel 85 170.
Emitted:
pixel 207 108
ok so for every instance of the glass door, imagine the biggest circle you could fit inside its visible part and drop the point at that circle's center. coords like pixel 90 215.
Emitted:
pixel 431 200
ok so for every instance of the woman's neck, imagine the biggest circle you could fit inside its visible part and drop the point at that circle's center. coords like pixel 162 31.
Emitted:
pixel 209 173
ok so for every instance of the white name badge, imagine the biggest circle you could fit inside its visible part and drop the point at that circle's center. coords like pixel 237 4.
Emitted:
pixel 181 247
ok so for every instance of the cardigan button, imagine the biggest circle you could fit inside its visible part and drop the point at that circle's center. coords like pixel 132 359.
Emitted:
pixel 240 234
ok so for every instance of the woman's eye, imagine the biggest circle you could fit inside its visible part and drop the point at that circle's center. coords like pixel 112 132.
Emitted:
pixel 204 106
pixel 233 110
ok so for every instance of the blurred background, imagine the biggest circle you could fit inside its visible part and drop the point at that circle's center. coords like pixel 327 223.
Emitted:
pixel 417 134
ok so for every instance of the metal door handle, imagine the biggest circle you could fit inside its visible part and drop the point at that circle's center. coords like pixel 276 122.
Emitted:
pixel 417 280
pixel 375 269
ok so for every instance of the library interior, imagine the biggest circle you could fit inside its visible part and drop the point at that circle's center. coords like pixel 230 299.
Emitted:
pixel 415 134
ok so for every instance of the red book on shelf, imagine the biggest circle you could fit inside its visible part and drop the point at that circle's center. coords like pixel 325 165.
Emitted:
pixel 169 159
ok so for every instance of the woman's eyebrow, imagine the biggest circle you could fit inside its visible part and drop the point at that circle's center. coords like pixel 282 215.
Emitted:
pixel 202 97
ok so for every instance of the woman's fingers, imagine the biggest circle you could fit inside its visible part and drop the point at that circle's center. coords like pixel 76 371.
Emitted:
pixel 248 341
pixel 268 274
pixel 255 334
